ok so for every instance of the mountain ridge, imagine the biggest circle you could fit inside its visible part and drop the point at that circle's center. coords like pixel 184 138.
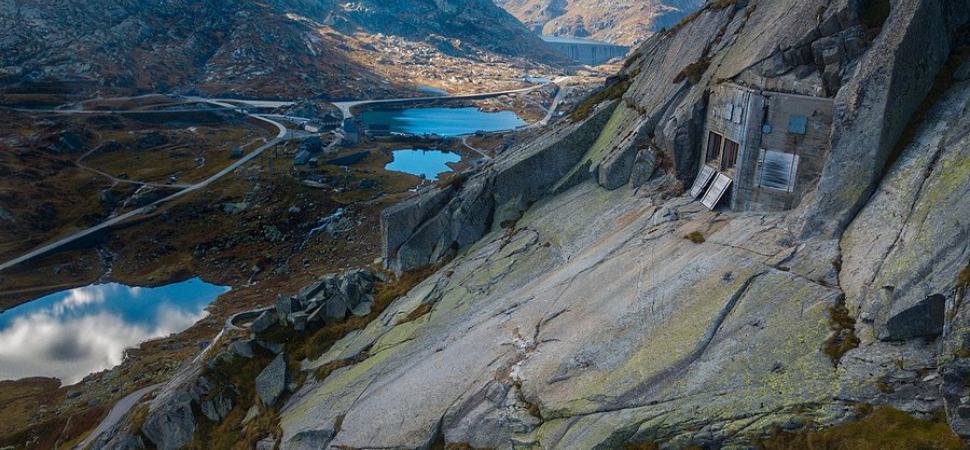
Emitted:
pixel 278 49
pixel 623 23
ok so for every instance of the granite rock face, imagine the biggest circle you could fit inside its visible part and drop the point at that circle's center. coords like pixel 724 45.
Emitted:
pixel 876 105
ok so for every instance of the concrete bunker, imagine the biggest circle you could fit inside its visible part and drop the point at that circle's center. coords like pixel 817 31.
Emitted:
pixel 763 150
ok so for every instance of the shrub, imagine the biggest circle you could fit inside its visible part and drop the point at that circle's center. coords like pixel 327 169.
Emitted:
pixel 611 92
pixel 693 72
pixel 843 337
pixel 885 428
pixel 696 237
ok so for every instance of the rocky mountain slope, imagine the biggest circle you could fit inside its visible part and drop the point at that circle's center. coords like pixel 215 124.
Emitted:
pixel 277 48
pixel 624 23
pixel 580 300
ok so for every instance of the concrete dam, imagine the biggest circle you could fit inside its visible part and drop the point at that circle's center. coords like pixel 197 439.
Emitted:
pixel 586 51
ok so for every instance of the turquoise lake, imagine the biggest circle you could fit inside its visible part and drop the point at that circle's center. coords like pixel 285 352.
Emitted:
pixel 441 121
pixel 73 333
pixel 428 164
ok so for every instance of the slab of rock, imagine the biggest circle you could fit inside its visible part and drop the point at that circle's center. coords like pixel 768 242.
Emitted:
pixel 286 305
pixel 243 348
pixel 876 105
pixel 924 319
pixel 298 320
pixel 271 382
pixel 262 323
pixel 171 426
pixel 216 409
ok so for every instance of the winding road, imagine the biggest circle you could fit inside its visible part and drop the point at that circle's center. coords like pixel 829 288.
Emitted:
pixel 347 108
pixel 152 206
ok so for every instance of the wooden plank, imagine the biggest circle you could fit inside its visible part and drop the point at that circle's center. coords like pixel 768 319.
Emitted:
pixel 703 178
pixel 716 191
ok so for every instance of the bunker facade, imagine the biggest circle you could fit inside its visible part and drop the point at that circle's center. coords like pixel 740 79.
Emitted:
pixel 762 150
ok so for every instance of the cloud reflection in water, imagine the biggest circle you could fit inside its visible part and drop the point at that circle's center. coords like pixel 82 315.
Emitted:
pixel 73 333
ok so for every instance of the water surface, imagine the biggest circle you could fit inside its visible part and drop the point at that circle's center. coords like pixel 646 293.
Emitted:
pixel 73 333
pixel 427 164
pixel 441 121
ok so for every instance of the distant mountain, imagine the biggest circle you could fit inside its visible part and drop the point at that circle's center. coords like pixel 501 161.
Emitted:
pixel 621 22
pixel 279 47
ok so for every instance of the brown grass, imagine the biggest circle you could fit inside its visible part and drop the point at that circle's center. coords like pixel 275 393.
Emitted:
pixel 843 337
pixel 884 428
pixel 696 237
pixel 713 5
pixel 418 313
pixel 963 281
pixel 693 72
pixel 611 92
pixel 236 378
pixel 641 446
pixel 456 180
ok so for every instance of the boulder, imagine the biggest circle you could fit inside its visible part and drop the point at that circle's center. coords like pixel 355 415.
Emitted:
pixel 242 348
pixel 924 319
pixel 216 409
pixel 262 323
pixel 286 305
pixel 298 320
pixel 266 443
pixel 122 441
pixel 271 382
pixel 644 166
pixel 171 425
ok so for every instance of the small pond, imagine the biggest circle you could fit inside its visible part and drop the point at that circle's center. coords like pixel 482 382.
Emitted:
pixel 427 164
pixel 441 121
pixel 73 333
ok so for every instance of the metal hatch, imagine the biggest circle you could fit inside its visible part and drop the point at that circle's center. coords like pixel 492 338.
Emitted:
pixel 716 191
pixel 703 178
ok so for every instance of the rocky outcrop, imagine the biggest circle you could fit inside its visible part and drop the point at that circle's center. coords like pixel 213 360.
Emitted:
pixel 876 105
pixel 527 343
pixel 171 424
pixel 271 382
pixel 904 252
pixel 442 220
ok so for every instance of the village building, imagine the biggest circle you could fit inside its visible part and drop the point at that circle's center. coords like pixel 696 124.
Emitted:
pixel 762 150
pixel 324 123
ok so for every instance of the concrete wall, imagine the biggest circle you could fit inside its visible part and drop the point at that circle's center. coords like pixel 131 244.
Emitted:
pixel 751 111
pixel 812 149
pixel 585 51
